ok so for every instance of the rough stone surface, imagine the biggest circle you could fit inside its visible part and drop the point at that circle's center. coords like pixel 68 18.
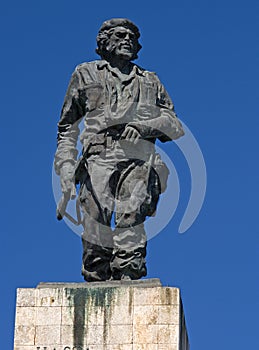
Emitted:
pixel 93 317
pixel 151 282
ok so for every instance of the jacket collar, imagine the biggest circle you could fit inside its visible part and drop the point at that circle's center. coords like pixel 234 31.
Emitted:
pixel 101 64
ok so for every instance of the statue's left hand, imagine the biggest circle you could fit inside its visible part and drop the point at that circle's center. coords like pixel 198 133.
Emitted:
pixel 130 134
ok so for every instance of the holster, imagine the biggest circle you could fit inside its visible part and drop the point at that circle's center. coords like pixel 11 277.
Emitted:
pixel 162 172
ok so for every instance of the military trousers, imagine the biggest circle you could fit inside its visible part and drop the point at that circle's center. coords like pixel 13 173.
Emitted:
pixel 113 200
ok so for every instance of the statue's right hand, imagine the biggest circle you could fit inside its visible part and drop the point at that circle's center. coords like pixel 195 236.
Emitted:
pixel 67 181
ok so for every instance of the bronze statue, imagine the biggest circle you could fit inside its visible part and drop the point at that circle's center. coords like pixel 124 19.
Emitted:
pixel 125 109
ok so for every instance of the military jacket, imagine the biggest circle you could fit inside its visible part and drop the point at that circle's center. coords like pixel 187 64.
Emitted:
pixel 109 100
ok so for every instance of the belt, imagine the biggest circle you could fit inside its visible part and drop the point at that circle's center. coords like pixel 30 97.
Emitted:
pixel 111 136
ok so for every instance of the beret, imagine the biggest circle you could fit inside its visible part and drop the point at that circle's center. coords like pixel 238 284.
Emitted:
pixel 117 22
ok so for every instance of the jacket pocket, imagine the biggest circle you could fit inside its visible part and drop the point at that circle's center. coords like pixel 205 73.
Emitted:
pixel 94 96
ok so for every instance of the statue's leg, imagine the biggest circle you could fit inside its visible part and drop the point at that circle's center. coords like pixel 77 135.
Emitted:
pixel 97 236
pixel 129 252
pixel 129 235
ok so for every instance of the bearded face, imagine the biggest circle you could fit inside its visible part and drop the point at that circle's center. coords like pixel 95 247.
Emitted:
pixel 122 43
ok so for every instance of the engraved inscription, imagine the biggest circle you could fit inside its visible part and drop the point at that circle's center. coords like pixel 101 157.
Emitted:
pixel 78 347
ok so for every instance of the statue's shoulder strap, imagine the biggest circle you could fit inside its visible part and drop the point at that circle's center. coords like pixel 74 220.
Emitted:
pixel 148 75
pixel 89 72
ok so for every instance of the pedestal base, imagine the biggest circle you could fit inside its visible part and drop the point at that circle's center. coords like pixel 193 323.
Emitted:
pixel 132 315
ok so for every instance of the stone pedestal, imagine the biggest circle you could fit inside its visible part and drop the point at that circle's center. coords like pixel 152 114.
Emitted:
pixel 133 315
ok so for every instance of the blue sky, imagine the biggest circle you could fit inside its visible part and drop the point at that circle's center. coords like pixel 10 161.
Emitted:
pixel 206 54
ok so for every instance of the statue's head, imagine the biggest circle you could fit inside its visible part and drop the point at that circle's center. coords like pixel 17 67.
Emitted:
pixel 118 37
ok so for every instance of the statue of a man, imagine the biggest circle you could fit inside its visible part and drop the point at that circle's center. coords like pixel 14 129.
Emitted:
pixel 125 109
